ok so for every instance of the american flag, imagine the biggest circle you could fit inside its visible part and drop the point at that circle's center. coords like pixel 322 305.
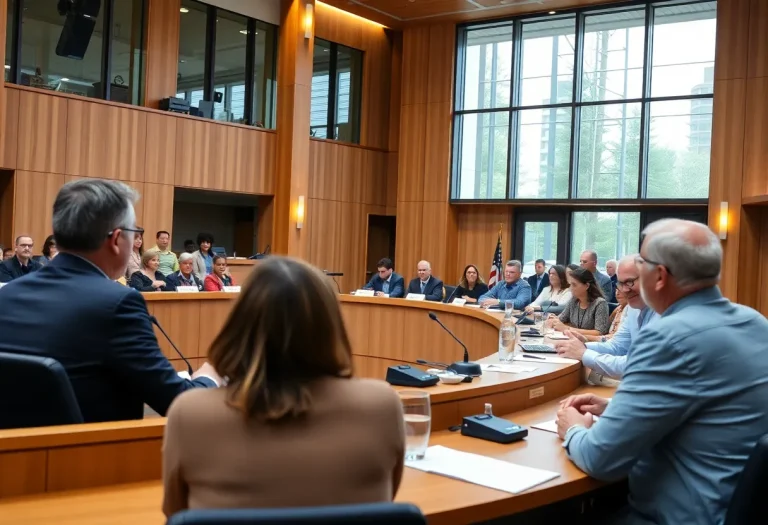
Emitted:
pixel 495 265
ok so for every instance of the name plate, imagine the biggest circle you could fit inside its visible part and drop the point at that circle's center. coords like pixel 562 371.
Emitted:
pixel 415 297
pixel 231 289
pixel 459 301
pixel 187 289
pixel 363 293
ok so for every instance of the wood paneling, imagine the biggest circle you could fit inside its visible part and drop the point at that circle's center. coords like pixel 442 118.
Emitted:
pixel 478 227
pixel 157 211
pixel 9 141
pixel 160 156
pixel 758 38
pixel 732 39
pixel 200 155
pixel 409 233
pixel 178 318
pixel 42 133
pixel 755 135
pixel 162 43
pixel 23 473
pixel 33 204
pixel 7 183
pixel 413 139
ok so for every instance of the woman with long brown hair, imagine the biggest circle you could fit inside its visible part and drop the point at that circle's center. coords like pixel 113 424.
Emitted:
pixel 471 286
pixel 292 427
pixel 587 311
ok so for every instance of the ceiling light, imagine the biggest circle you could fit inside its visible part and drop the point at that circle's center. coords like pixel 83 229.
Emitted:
pixel 184 10
pixel 552 12
pixel 7 66
pixel 243 32
pixel 64 79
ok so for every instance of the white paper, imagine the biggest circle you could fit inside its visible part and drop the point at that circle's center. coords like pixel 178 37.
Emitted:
pixel 557 336
pixel 546 359
pixel 459 301
pixel 415 297
pixel 481 470
pixel 472 305
pixel 551 426
pixel 506 368
pixel 232 289
pixel 363 293
pixel 187 289
pixel 184 374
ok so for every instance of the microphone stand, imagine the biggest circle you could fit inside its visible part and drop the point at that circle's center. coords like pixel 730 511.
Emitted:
pixel 464 367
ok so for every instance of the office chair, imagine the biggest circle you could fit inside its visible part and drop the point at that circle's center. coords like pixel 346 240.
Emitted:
pixel 448 291
pixel 367 514
pixel 35 392
pixel 612 307
pixel 748 504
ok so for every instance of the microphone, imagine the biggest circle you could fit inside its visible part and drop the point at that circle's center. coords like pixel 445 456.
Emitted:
pixel 452 294
pixel 431 363
pixel 333 274
pixel 154 322
pixel 465 367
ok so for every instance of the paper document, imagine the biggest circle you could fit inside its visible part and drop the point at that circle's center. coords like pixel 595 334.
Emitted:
pixel 481 470
pixel 546 359
pixel 557 336
pixel 507 368
pixel 551 426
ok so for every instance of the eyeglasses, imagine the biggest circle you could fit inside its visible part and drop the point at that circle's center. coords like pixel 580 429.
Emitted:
pixel 640 260
pixel 628 284
pixel 140 231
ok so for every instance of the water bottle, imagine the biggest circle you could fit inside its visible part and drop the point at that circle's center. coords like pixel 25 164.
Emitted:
pixel 507 337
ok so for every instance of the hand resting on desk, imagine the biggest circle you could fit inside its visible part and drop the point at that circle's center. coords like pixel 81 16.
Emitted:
pixel 578 410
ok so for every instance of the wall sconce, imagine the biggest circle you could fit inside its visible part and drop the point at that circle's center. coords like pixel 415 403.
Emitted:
pixel 300 212
pixel 723 222
pixel 308 19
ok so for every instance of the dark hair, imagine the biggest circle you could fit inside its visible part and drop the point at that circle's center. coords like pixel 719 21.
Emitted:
pixel 286 307
pixel 560 271
pixel 9 249
pixel 49 241
pixel 573 267
pixel 204 237
pixel 542 261
pixel 463 282
pixel 157 236
pixel 141 236
pixel 386 262
pixel 586 277
pixel 189 241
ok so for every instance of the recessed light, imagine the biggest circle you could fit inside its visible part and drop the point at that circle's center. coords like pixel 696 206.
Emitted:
pixel 64 79
pixel 552 12
pixel 256 33
pixel 243 32
pixel 182 61
pixel 7 66
pixel 184 10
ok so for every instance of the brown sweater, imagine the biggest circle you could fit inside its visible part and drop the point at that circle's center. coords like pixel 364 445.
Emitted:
pixel 348 449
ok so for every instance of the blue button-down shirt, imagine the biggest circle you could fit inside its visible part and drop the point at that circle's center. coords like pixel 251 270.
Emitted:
pixel 610 358
pixel 687 414
pixel 519 292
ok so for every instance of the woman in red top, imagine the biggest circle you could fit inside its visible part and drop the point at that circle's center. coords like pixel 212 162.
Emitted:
pixel 216 281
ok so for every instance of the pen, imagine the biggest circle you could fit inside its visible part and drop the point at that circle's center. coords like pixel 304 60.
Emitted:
pixel 534 357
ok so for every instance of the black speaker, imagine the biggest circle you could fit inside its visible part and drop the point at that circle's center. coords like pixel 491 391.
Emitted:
pixel 78 28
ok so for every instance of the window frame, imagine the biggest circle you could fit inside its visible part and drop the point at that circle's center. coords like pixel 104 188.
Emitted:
pixel 575 105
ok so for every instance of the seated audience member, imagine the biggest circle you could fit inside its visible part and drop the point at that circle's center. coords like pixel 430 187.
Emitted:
pixel 426 283
pixel 588 261
pixel 216 281
pixel 513 289
pixel 169 263
pixel 185 276
pixel 540 279
pixel 617 316
pixel 7 253
pixel 189 246
pixel 49 251
pixel 291 413
pixel 21 263
pixel 134 261
pixel 386 283
pixel 587 311
pixel 149 278
pixel 606 355
pixel 555 296
pixel 471 286
pixel 692 403
pixel 73 311
pixel 570 268
pixel 203 261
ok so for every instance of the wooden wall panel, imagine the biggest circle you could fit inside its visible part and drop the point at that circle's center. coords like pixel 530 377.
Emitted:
pixel 732 39
pixel 437 164
pixel 157 211
pixel 160 156
pixel 758 39
pixel 33 204
pixel 163 21
pixel 375 178
pixel 200 159
pixel 410 174
pixel 478 228
pixel 176 317
pixel 755 135
pixel 415 77
pixel 42 140
pixel 410 230
pixel 9 141
pixel 23 473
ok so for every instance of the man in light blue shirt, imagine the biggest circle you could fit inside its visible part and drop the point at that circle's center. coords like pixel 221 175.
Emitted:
pixel 692 403
pixel 513 289
pixel 608 357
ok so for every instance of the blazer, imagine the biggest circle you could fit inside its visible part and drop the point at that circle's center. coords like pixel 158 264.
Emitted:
pixel 433 291
pixel 396 285
pixel 142 283
pixel 198 265
pixel 213 284
pixel 357 423
pixel 174 280
pixel 11 269
pixel 535 291
pixel 101 334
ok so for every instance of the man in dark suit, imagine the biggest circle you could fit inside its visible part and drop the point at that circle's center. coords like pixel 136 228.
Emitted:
pixel 426 284
pixel 386 283
pixel 73 311
pixel 540 279
pixel 21 263
pixel 186 274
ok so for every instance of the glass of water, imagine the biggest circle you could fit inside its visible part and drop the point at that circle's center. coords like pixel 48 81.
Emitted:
pixel 418 420
pixel 538 321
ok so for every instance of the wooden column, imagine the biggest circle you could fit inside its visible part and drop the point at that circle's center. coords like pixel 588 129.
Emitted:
pixel 294 80
pixel 162 51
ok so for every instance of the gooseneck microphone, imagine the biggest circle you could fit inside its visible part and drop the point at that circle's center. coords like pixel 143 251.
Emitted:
pixel 452 294
pixel 154 322
pixel 465 367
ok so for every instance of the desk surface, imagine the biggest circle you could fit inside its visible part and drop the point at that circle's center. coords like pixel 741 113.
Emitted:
pixel 443 500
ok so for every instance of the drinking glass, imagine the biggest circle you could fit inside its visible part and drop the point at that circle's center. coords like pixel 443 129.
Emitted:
pixel 538 321
pixel 418 420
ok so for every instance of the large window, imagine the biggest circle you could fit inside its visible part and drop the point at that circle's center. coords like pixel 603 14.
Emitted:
pixel 227 61
pixel 337 77
pixel 93 48
pixel 611 104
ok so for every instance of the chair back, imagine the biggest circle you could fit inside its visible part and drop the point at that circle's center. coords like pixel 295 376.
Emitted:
pixel 366 514
pixel 612 307
pixel 749 504
pixel 448 291
pixel 35 392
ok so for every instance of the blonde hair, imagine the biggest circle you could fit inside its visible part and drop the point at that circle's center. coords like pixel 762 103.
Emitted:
pixel 284 331
pixel 148 256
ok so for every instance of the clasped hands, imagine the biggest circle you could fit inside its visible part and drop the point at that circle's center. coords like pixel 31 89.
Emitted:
pixel 578 410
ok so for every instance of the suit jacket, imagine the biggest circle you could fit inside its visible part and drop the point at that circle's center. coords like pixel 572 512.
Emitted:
pixel 357 423
pixel 198 265
pixel 396 285
pixel 11 269
pixel 535 291
pixel 101 334
pixel 174 280
pixel 433 291
pixel 142 283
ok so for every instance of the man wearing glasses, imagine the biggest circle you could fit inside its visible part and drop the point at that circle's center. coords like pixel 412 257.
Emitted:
pixel 71 310
pixel 21 263
pixel 608 357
